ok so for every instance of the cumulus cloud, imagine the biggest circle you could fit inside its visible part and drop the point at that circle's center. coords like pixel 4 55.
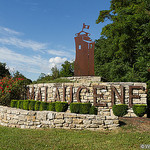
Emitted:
pixel 56 61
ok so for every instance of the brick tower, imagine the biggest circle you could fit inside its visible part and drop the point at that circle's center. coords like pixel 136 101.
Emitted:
pixel 84 61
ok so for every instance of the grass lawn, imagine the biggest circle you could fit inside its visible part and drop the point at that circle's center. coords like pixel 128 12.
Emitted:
pixel 125 138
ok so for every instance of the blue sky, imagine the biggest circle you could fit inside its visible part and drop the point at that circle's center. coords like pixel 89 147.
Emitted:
pixel 35 35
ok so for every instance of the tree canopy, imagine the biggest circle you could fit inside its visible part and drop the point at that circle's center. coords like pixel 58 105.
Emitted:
pixel 4 71
pixel 123 51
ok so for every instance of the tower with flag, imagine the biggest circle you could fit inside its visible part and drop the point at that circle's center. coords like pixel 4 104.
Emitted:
pixel 84 61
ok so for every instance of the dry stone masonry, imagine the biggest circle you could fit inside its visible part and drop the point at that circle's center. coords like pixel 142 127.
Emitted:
pixel 13 117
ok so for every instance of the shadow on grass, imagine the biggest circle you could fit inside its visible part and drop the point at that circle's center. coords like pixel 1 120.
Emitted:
pixel 121 123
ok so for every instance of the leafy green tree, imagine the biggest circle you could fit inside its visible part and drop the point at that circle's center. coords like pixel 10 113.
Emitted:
pixel 55 72
pixel 4 71
pixel 67 69
pixel 123 51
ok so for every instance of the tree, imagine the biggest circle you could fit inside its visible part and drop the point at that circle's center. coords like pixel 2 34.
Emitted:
pixel 123 51
pixel 3 70
pixel 55 72
pixel 67 69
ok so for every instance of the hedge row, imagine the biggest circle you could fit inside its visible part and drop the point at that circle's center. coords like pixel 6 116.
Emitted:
pixel 39 106
pixel 83 108
pixel 122 109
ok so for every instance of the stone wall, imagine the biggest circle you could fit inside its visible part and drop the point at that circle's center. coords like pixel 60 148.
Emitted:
pixel 13 117
pixel 106 93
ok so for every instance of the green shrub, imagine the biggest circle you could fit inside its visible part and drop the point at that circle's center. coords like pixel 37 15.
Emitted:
pixel 13 103
pixel 20 104
pixel 37 105
pixel 120 110
pixel 85 108
pixel 43 106
pixel 51 106
pixel 61 106
pixel 93 110
pixel 32 104
pixel 26 104
pixel 75 107
pixel 139 109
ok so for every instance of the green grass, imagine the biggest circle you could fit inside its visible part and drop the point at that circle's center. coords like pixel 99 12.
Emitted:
pixel 59 139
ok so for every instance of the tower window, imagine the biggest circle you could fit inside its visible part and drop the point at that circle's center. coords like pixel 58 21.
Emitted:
pixel 91 45
pixel 79 46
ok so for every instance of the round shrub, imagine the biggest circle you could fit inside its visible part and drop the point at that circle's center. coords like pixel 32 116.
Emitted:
pixel 32 104
pixel 37 105
pixel 20 104
pixel 43 106
pixel 26 104
pixel 93 110
pixel 139 109
pixel 61 106
pixel 51 106
pixel 85 108
pixel 13 103
pixel 120 110
pixel 75 107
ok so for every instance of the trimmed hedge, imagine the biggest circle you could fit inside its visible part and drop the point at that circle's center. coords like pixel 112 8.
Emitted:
pixel 120 110
pixel 93 110
pixel 85 108
pixel 13 103
pixel 37 105
pixel 140 109
pixel 75 107
pixel 32 104
pixel 20 104
pixel 61 106
pixel 43 106
pixel 51 106
pixel 26 104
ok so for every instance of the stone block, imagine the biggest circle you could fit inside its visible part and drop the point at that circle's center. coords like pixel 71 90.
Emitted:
pixel 70 115
pixel 87 122
pixel 68 120
pixel 58 121
pixel 108 122
pixel 41 115
pixel 59 116
pixel 50 115
pixel 97 122
pixel 77 121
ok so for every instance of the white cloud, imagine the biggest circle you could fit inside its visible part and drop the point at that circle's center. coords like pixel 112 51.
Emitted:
pixel 56 61
pixel 34 64
pixel 7 31
pixel 23 44
pixel 60 53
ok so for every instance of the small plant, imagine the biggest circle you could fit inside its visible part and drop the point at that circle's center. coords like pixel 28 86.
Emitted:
pixel 85 108
pixel 13 103
pixel 120 110
pixel 93 110
pixel 51 106
pixel 75 107
pixel 61 106
pixel 32 104
pixel 37 105
pixel 20 104
pixel 43 106
pixel 26 104
pixel 139 109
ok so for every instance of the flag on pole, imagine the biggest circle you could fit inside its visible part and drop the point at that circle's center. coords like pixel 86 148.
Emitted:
pixel 85 26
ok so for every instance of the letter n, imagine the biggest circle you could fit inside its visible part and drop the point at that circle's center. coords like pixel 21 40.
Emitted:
pixel 115 92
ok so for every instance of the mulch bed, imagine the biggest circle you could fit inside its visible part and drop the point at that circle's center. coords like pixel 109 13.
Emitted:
pixel 140 123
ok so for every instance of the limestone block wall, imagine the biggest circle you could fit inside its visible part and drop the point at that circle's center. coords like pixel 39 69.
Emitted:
pixel 101 94
pixel 13 117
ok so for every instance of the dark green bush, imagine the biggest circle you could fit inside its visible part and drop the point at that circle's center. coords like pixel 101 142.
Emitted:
pixel 85 108
pixel 26 104
pixel 20 104
pixel 120 110
pixel 13 103
pixel 32 104
pixel 139 109
pixel 43 106
pixel 61 106
pixel 51 106
pixel 37 105
pixel 93 110
pixel 75 107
